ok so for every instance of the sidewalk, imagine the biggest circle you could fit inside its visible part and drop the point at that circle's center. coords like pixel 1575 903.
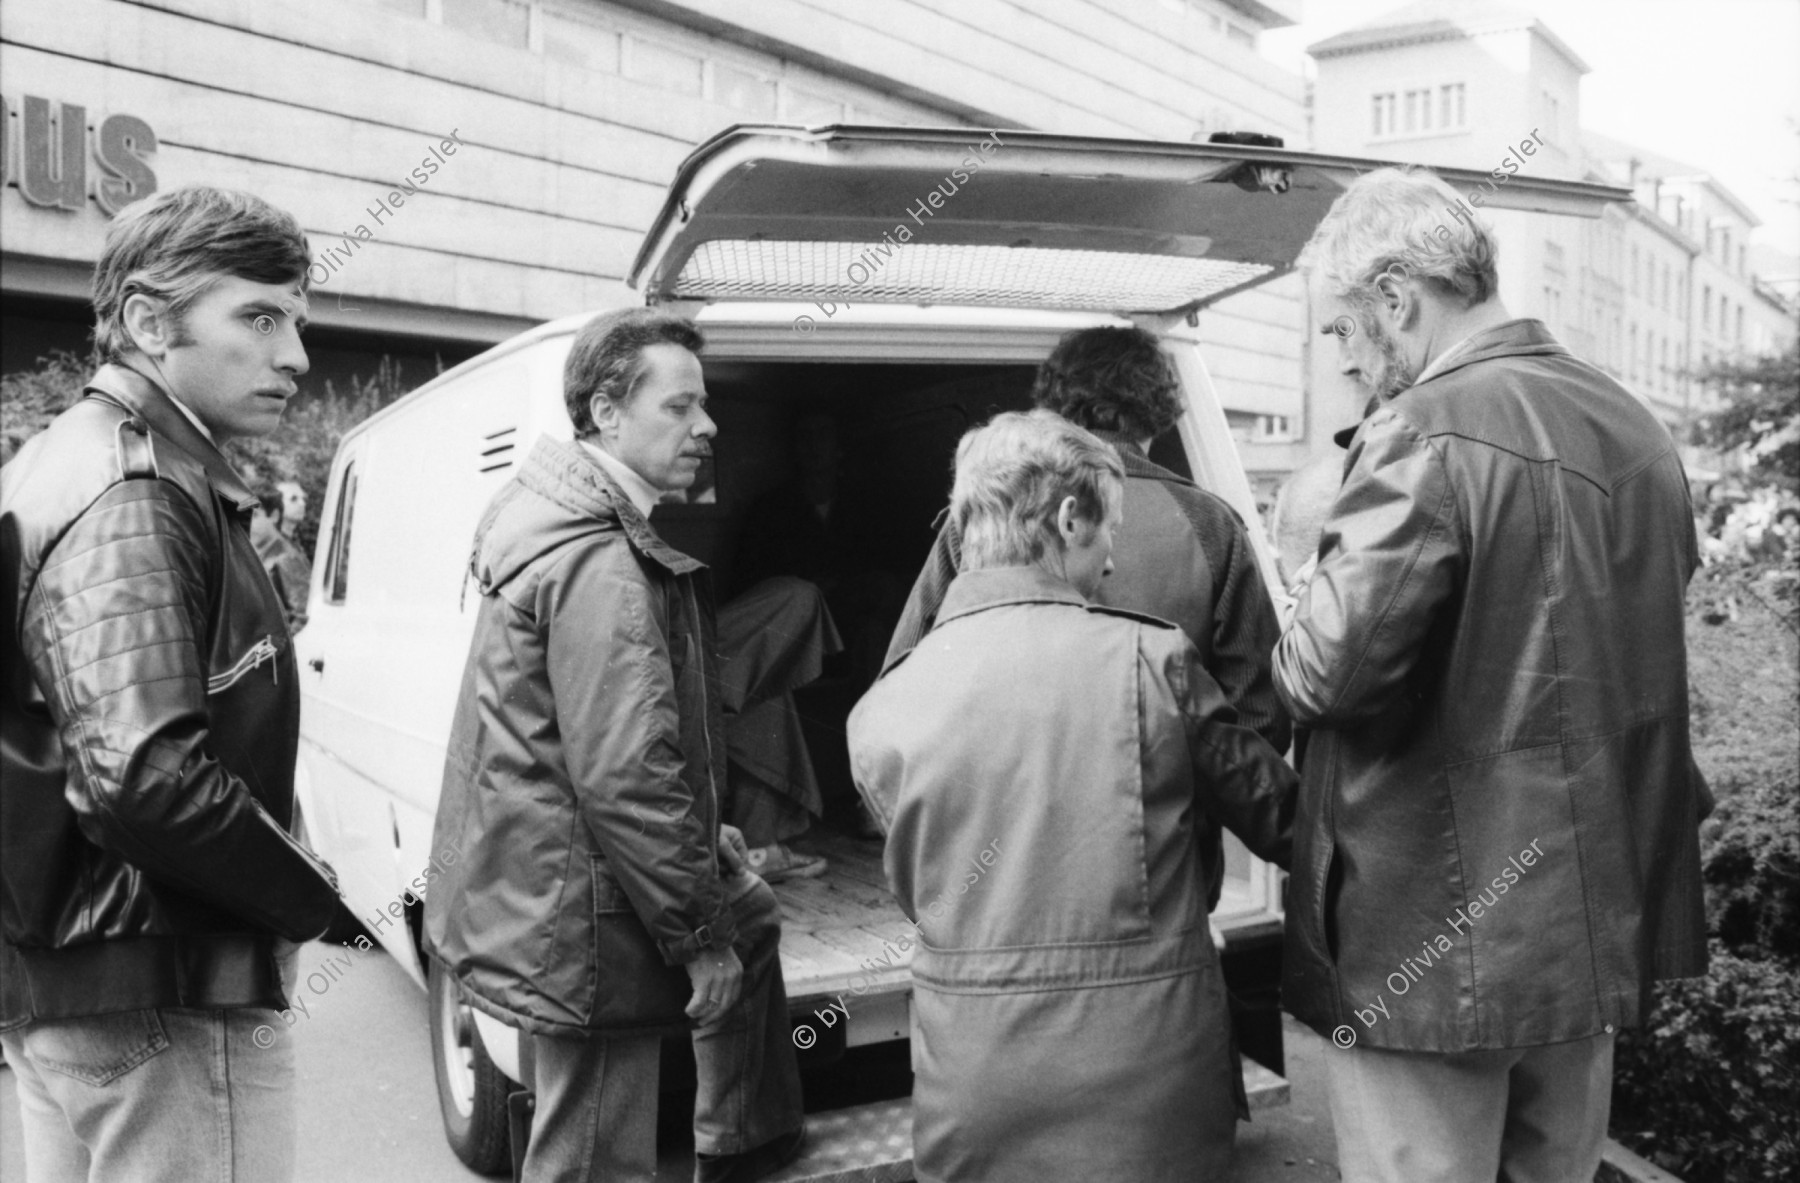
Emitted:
pixel 1292 1143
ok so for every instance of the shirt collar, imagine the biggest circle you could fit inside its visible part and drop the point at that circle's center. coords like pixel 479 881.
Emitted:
pixel 193 418
pixel 141 395
pixel 1443 360
pixel 990 587
pixel 644 496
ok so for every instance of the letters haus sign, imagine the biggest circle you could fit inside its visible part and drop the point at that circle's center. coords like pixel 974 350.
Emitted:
pixel 46 150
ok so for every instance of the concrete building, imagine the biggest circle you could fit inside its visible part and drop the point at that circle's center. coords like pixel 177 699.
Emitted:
pixel 1648 292
pixel 468 168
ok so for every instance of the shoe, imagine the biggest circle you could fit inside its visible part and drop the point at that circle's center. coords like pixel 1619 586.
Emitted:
pixel 759 1163
pixel 776 862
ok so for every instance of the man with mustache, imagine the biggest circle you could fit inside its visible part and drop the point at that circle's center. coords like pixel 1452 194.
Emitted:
pixel 149 716
pixel 600 902
pixel 1497 851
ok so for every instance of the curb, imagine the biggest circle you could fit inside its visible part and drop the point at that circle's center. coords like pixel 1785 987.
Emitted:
pixel 1634 1167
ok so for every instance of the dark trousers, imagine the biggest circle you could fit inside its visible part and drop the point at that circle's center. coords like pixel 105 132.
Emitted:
pixel 596 1098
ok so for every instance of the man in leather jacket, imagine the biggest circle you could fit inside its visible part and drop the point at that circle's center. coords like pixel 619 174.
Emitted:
pixel 151 887
pixel 1497 851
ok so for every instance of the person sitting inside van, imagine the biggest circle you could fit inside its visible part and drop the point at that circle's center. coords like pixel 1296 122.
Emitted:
pixel 1043 765
pixel 600 902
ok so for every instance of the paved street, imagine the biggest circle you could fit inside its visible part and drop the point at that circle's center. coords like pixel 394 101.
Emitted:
pixel 368 1105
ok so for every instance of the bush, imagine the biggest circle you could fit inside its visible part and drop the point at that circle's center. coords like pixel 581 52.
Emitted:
pixel 29 399
pixel 301 449
pixel 1710 1087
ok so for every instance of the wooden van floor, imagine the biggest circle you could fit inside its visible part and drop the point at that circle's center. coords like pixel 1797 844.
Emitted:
pixel 836 926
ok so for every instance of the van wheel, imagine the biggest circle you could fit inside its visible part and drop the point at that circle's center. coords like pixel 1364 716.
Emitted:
pixel 471 1091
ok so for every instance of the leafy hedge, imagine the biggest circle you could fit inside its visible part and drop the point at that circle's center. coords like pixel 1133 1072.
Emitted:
pixel 1709 1088
pixel 300 450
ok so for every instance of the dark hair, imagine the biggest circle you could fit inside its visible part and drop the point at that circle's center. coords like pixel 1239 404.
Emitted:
pixel 608 357
pixel 176 244
pixel 1111 379
pixel 268 495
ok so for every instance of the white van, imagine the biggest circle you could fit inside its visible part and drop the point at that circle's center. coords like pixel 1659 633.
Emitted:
pixel 908 282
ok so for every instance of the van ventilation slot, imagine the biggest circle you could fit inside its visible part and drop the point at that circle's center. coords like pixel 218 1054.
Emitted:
pixel 497 449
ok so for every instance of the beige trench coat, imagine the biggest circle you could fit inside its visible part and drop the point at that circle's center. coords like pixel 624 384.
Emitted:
pixel 1041 765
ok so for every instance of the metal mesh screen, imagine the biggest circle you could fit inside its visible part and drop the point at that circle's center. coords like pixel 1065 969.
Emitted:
pixel 938 273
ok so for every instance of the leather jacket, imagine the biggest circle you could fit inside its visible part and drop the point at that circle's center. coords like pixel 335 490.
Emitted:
pixel 582 778
pixel 1498 839
pixel 150 715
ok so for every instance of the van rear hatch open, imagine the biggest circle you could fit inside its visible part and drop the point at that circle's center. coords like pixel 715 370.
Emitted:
pixel 1004 218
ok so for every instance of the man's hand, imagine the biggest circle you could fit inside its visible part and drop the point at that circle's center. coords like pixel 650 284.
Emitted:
pixel 733 849
pixel 718 978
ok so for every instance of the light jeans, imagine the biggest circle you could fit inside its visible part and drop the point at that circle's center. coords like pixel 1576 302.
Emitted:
pixel 155 1096
pixel 1521 1115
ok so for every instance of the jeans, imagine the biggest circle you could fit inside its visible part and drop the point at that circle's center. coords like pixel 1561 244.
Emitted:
pixel 1525 1115
pixel 182 1096
pixel 596 1097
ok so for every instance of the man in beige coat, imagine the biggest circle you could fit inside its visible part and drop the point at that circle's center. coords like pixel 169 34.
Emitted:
pixel 1042 765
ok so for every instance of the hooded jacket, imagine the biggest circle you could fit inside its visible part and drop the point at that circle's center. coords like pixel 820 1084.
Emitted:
pixel 1497 844
pixel 581 777
pixel 150 714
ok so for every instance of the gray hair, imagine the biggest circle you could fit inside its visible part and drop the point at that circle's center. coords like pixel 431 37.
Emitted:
pixel 1012 475
pixel 1407 219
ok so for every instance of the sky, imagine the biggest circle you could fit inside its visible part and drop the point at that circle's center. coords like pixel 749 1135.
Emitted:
pixel 1714 83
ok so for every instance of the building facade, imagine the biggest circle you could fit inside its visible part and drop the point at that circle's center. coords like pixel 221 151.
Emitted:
pixel 467 168
pixel 1649 292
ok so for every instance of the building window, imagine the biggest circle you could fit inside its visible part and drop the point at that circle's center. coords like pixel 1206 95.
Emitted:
pixel 660 65
pixel 579 44
pixel 1382 111
pixel 1409 119
pixel 1706 306
pixel 732 87
pixel 1665 287
pixel 1634 271
pixel 1631 359
pixel 1552 117
pixel 1452 111
pixel 1273 429
pixel 1665 363
pixel 501 21
pixel 1739 334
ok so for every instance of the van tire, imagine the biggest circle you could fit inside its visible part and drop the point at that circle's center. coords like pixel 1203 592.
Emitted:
pixel 471 1091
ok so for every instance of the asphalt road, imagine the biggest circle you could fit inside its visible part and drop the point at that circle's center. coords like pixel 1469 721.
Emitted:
pixel 367 1101
pixel 368 1104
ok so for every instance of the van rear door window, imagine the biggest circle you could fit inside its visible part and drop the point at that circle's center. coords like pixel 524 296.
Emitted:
pixel 337 569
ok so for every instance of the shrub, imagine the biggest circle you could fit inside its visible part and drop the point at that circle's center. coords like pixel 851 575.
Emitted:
pixel 29 399
pixel 1710 1086
pixel 300 450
